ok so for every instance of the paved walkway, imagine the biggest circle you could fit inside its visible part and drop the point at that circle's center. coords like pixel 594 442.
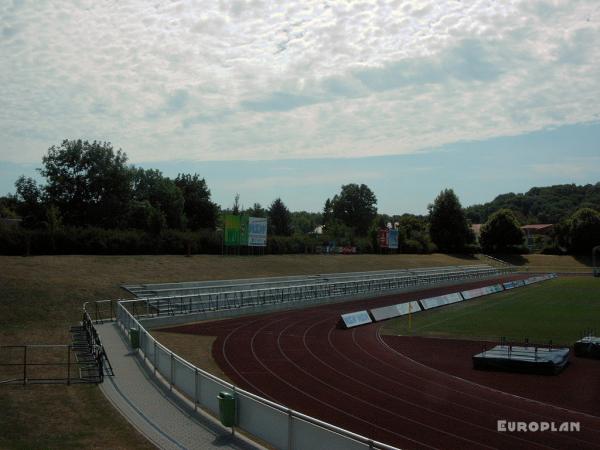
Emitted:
pixel 168 421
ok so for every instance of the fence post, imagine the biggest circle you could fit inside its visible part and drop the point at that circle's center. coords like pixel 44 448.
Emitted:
pixel 196 399
pixel 172 373
pixel 154 357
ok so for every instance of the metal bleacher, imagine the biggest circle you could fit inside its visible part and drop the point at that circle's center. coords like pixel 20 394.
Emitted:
pixel 189 297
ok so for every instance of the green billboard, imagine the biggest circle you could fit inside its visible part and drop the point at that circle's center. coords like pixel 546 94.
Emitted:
pixel 245 231
pixel 231 234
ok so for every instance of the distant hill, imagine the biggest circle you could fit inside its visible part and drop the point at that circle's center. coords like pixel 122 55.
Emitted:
pixel 541 204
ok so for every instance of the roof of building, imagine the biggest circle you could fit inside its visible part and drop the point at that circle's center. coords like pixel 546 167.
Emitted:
pixel 537 226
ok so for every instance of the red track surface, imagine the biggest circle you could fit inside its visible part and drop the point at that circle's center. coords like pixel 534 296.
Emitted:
pixel 375 386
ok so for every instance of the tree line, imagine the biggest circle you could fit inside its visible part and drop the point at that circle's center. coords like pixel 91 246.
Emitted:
pixel 92 201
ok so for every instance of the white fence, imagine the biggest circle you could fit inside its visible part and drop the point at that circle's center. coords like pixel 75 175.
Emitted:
pixel 275 424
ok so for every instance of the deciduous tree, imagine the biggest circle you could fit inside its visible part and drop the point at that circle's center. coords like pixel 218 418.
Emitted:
pixel 448 225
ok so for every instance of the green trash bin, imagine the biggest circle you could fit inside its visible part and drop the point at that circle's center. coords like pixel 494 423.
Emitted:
pixel 226 408
pixel 134 337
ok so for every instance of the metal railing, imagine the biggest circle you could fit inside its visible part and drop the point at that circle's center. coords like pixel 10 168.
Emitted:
pixel 96 348
pixel 201 287
pixel 41 364
pixel 275 424
pixel 231 299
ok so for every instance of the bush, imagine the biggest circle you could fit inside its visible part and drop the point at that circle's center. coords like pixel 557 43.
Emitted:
pixel 99 241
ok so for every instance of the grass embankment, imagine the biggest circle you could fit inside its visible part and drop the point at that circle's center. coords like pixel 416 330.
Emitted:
pixel 557 310
pixel 549 263
pixel 41 297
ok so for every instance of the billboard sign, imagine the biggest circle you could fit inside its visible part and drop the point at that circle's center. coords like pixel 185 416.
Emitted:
pixel 392 238
pixel 356 318
pixel 382 238
pixel 231 235
pixel 257 232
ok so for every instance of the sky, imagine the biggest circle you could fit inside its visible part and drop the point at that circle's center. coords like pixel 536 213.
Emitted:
pixel 294 99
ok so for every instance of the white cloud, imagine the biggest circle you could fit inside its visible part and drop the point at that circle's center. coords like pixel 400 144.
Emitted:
pixel 265 80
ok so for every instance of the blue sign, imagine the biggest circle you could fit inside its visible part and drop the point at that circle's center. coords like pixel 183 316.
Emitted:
pixel 393 239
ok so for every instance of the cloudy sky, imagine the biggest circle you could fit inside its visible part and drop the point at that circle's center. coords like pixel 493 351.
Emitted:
pixel 294 99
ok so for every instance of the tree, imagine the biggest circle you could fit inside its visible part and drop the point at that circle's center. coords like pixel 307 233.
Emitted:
pixel 584 231
pixel 355 207
pixel 199 210
pixel 327 212
pixel 29 201
pixel 236 209
pixel 162 194
pixel 8 207
pixel 501 232
pixel 304 222
pixel 447 223
pixel 89 182
pixel 279 219
pixel 256 211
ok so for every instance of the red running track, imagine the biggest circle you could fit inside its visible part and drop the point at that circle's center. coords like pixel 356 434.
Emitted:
pixel 366 383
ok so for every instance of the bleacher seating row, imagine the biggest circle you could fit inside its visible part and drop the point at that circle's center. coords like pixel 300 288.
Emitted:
pixel 229 294
pixel 348 320
pixel 193 288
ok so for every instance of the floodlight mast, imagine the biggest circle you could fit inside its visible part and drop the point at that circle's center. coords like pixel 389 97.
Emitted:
pixel 595 268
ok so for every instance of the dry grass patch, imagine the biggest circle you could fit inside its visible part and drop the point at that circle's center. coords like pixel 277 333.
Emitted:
pixel 193 348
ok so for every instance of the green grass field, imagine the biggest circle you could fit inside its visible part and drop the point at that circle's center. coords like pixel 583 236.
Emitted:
pixel 557 310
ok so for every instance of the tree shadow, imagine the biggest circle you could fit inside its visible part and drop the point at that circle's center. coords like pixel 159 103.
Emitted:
pixel 464 256
pixel 515 260
pixel 585 260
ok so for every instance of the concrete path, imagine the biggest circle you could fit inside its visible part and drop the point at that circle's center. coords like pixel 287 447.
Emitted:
pixel 167 420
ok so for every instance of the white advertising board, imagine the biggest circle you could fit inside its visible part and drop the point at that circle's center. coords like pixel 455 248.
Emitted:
pixel 257 232
pixel 434 302
pixel 356 318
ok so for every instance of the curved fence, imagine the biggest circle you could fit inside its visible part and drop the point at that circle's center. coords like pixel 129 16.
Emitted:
pixel 275 424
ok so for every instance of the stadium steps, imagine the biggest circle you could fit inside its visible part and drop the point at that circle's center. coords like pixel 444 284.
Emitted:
pixel 89 370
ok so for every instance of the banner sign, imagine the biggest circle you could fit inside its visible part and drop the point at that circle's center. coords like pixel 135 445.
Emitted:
pixel 257 232
pixel 434 302
pixel 514 284
pixel 382 238
pixel 356 318
pixel 402 309
pixel 393 239
pixel 478 292
pixel 231 235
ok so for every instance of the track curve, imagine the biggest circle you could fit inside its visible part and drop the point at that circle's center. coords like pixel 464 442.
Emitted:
pixel 359 380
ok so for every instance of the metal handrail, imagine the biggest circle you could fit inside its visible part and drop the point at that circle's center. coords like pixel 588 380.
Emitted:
pixel 292 413
pixel 251 284
pixel 239 298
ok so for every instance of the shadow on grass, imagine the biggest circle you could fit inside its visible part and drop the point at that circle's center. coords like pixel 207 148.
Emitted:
pixel 515 260
pixel 585 260
pixel 463 256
